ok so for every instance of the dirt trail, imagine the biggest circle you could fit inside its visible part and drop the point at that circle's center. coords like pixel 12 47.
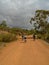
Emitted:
pixel 29 53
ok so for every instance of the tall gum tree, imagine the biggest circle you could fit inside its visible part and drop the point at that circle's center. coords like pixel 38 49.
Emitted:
pixel 41 21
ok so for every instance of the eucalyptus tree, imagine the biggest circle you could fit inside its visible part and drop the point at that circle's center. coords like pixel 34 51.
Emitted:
pixel 41 21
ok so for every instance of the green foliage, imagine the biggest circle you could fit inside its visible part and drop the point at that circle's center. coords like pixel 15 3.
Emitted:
pixel 7 37
pixel 3 23
pixel 39 36
pixel 41 25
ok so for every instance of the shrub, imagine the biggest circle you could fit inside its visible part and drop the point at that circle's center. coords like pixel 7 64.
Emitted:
pixel 47 38
pixel 39 36
pixel 7 37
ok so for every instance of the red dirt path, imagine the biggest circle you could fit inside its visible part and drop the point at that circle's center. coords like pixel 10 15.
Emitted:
pixel 29 53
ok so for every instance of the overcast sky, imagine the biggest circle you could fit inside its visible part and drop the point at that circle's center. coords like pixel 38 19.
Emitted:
pixel 19 12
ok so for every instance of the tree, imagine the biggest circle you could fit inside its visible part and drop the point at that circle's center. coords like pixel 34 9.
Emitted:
pixel 41 23
pixel 3 25
pixel 41 20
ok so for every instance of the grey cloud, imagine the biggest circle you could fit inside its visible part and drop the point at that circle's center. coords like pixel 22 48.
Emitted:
pixel 19 12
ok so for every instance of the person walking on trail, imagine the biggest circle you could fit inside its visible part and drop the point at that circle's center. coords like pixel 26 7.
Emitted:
pixel 23 37
pixel 34 36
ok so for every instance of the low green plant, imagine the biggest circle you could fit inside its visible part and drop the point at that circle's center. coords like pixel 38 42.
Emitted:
pixel 7 37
